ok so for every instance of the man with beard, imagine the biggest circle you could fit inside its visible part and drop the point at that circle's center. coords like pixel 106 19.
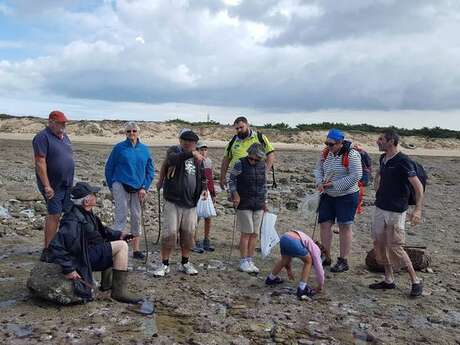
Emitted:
pixel 54 168
pixel 392 183
pixel 238 148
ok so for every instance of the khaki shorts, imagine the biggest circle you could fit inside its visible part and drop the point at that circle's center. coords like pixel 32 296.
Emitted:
pixel 249 222
pixel 178 220
pixel 389 236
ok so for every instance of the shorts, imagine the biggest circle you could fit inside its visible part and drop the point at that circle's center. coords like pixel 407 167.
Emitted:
pixel 248 221
pixel 340 208
pixel 389 237
pixel 100 256
pixel 178 220
pixel 60 202
pixel 292 247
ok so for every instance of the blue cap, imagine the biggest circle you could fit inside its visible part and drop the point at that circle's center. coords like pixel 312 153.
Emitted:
pixel 335 134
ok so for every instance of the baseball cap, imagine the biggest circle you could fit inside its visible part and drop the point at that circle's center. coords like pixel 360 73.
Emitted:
pixel 82 189
pixel 189 135
pixel 335 134
pixel 200 144
pixel 57 116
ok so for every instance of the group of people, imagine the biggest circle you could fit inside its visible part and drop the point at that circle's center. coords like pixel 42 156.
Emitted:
pixel 83 244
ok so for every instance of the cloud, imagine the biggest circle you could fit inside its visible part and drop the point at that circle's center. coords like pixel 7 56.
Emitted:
pixel 285 55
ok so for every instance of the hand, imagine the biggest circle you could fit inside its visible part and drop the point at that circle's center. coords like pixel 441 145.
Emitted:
pixel 265 208
pixel 142 194
pixel 319 288
pixel 323 186
pixel 415 217
pixel 49 192
pixel 204 194
pixel 236 200
pixel 198 156
pixel 72 276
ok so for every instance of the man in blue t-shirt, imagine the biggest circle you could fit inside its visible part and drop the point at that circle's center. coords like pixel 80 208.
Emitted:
pixel 396 174
pixel 54 168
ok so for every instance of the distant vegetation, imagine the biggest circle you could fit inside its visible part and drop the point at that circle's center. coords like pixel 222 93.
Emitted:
pixel 435 132
pixel 426 132
pixel 198 123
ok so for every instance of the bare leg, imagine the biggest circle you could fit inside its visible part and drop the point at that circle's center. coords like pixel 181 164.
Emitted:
pixel 252 244
pixel 307 263
pixel 207 227
pixel 51 227
pixel 280 264
pixel 120 255
pixel 244 241
pixel 326 237
pixel 345 237
pixel 165 253
pixel 136 243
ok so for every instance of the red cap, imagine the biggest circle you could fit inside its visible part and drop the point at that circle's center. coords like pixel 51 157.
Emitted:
pixel 57 116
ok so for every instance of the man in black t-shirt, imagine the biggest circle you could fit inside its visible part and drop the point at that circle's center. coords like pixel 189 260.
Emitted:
pixel 392 181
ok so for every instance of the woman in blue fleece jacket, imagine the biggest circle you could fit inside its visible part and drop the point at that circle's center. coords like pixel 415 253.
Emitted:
pixel 129 172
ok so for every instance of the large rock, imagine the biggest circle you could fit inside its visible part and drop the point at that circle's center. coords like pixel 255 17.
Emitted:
pixel 420 260
pixel 47 281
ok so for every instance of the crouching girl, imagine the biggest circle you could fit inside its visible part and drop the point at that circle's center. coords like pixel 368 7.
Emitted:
pixel 298 244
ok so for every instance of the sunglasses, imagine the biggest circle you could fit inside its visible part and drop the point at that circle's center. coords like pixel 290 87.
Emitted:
pixel 131 131
pixel 254 159
pixel 328 143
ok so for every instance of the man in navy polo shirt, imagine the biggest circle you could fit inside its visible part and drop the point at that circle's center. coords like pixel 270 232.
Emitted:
pixel 54 168
pixel 396 174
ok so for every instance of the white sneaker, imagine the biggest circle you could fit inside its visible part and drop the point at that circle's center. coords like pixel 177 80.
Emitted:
pixel 188 269
pixel 161 271
pixel 245 266
pixel 253 267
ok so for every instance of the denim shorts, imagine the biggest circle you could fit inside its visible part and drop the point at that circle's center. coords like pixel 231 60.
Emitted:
pixel 340 208
pixel 60 202
pixel 292 247
pixel 100 256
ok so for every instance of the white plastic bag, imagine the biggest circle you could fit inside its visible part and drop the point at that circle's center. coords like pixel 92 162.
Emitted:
pixel 205 208
pixel 269 236
pixel 309 205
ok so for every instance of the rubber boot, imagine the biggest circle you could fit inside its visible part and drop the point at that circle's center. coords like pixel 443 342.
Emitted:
pixel 106 280
pixel 120 288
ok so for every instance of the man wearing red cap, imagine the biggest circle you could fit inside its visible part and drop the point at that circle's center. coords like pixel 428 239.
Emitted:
pixel 54 168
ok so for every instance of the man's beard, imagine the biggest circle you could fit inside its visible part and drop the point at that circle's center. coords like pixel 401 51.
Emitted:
pixel 243 135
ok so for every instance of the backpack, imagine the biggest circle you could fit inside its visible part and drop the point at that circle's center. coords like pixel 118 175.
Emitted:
pixel 366 162
pixel 260 138
pixel 422 176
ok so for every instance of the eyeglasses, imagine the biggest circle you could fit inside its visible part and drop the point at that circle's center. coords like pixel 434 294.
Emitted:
pixel 131 131
pixel 328 143
pixel 254 159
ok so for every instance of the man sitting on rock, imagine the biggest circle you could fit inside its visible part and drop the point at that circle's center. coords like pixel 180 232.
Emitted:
pixel 83 244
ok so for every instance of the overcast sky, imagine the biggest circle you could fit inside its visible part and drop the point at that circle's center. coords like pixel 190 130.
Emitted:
pixel 384 62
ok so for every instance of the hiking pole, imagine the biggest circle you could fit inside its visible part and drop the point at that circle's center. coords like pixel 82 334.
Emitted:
pixel 159 217
pixel 233 238
pixel 274 185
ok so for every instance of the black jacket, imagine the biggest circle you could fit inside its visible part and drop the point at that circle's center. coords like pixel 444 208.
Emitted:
pixel 175 180
pixel 69 247
pixel 252 185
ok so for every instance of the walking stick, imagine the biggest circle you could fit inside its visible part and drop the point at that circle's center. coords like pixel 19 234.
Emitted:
pixel 159 217
pixel 233 239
